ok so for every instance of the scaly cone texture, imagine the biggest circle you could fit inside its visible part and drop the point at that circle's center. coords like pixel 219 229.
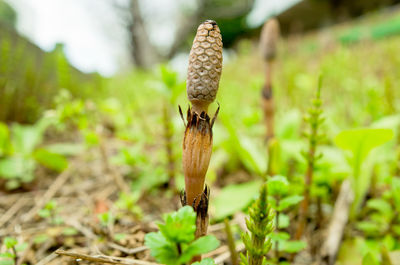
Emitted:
pixel 269 39
pixel 205 66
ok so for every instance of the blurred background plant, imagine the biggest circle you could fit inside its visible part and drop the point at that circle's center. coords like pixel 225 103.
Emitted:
pixel 91 158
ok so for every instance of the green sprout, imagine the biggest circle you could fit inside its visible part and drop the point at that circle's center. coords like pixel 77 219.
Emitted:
pixel 175 243
pixel 260 224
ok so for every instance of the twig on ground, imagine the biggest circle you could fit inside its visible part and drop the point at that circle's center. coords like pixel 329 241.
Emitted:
pixel 22 257
pixel 47 259
pixel 104 259
pixel 338 222
pixel 226 255
pixel 118 179
pixel 125 250
pixel 57 184
pixel 12 210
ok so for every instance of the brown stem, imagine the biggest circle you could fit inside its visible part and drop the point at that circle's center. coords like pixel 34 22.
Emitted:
pixel 306 201
pixel 277 229
pixel 272 155
pixel 231 243
pixel 15 254
pixel 200 206
pixel 268 102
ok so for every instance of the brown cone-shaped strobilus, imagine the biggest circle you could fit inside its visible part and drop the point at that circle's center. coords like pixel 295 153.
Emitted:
pixel 204 72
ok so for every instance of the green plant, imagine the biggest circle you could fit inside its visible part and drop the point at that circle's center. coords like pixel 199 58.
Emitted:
pixel 50 211
pixel 20 152
pixel 10 256
pixel 106 219
pixel 260 225
pixel 280 200
pixel 128 203
pixel 175 243
pixel 314 136
pixel 172 89
pixel 359 143
pixel 382 217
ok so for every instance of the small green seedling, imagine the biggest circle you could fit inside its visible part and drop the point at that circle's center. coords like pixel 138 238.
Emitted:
pixel 128 203
pixel 280 200
pixel 50 212
pixel 10 256
pixel 175 243
pixel 106 219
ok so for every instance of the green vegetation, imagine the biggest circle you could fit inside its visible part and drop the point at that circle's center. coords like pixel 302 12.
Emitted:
pixel 260 225
pixel 122 136
pixel 175 242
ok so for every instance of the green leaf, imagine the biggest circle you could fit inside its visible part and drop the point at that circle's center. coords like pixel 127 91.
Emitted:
pixel 16 167
pixel 179 226
pixel 207 261
pixel 4 138
pixel 10 242
pixel 288 126
pixel 247 150
pixel 91 138
pixel 69 231
pixel 168 76
pixel 161 249
pixel 51 205
pixel 200 246
pixel 8 255
pixel 65 149
pixel 26 138
pixel 361 141
pixel 289 201
pixel 396 192
pixel 41 238
pixel 119 236
pixel 21 247
pixel 369 227
pixel 106 218
pixel 44 213
pixel 7 262
pixel 279 236
pixel 380 205
pixel 234 198
pixel 278 185
pixel 369 260
pixel 51 160
pixel 284 221
pixel 293 246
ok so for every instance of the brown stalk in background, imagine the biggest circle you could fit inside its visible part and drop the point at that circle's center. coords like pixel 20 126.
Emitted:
pixel 205 66
pixel 268 46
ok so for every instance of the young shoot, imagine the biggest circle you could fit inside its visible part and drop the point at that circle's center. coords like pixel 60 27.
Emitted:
pixel 176 243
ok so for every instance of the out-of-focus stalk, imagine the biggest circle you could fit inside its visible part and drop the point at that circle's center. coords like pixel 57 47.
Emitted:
pixel 268 47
